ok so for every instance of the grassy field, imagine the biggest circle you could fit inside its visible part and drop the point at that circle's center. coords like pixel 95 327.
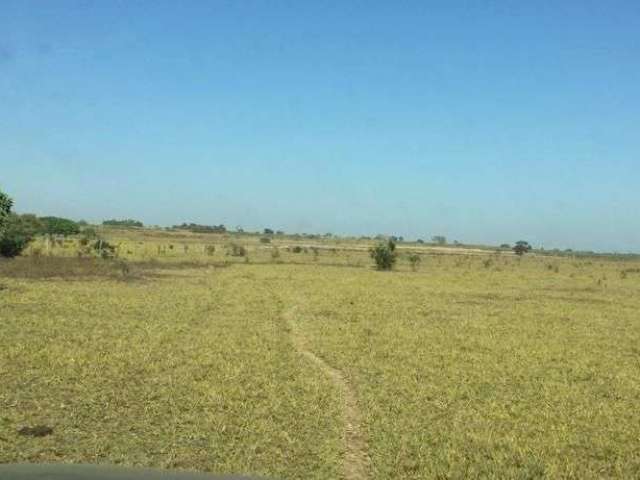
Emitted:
pixel 473 366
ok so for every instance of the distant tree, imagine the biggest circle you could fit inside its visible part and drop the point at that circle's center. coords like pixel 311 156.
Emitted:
pixel 268 231
pixel 439 239
pixel 521 247
pixel 506 246
pixel 384 255
pixel 419 241
pixel 279 232
pixel 123 223
pixel 59 226
pixel 196 228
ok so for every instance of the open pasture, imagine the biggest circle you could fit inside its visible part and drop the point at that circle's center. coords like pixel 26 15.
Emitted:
pixel 472 366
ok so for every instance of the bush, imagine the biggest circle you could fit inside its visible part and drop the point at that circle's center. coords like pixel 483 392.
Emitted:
pixel 265 240
pixel 12 247
pixel 210 249
pixel 297 249
pixel 414 261
pixel 384 255
pixel 17 232
pixel 104 249
pixel 88 234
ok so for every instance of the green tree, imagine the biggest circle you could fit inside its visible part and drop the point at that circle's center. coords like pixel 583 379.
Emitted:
pixel 5 208
pixel 521 247
pixel 384 254
pixel 439 239
pixel 129 222
pixel 17 232
pixel 59 226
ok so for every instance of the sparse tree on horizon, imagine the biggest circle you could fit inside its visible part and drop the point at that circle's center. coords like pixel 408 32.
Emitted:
pixel 439 239
pixel 521 247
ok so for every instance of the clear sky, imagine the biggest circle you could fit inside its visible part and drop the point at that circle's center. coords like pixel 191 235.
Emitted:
pixel 482 121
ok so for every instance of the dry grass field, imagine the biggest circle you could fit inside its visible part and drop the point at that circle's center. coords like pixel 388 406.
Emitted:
pixel 312 364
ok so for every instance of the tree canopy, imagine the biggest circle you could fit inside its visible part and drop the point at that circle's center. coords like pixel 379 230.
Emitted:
pixel 5 207
pixel 128 222
pixel 521 247
pixel 59 226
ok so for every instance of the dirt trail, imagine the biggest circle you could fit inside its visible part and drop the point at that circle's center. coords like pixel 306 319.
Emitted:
pixel 356 463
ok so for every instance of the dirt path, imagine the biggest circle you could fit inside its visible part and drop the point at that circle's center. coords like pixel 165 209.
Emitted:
pixel 356 463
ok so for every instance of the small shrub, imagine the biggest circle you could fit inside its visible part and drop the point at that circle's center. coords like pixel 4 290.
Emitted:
pixel 265 240
pixel 18 231
pixel 414 261
pixel 210 250
pixel 275 253
pixel 104 249
pixel 384 255
pixel 12 247
pixel 297 249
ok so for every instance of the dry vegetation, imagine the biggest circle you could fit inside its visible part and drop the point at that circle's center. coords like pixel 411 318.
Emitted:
pixel 471 366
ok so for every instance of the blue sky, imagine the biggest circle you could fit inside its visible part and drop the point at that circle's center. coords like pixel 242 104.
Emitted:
pixel 483 121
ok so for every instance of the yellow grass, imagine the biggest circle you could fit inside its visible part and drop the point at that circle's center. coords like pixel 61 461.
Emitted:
pixel 480 366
